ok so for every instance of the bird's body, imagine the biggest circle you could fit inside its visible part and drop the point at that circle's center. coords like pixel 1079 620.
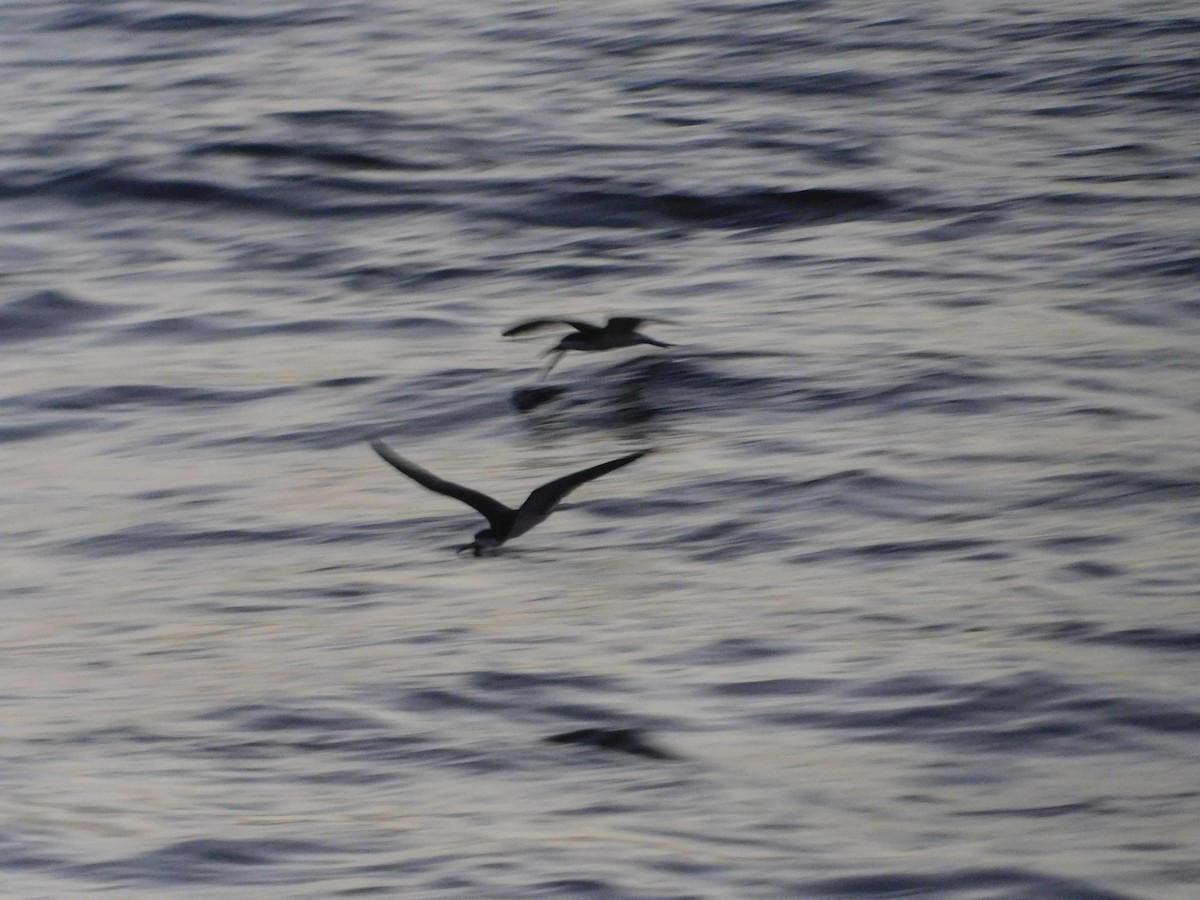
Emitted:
pixel 504 523
pixel 618 331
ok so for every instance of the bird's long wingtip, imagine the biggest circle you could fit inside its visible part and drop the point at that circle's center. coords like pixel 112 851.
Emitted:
pixel 555 355
pixel 388 455
pixel 631 457
pixel 527 326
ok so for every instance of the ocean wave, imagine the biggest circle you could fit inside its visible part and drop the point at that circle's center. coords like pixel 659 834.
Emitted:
pixel 48 313
pixel 617 206
pixel 90 399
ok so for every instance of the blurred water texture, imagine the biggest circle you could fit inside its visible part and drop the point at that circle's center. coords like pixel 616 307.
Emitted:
pixel 904 604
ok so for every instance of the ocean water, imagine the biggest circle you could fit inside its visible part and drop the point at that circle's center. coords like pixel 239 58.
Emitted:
pixel 905 601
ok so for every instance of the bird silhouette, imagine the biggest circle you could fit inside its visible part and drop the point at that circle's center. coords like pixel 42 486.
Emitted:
pixel 618 331
pixel 504 523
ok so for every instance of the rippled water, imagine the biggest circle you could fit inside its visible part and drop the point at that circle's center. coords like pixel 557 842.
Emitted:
pixel 905 603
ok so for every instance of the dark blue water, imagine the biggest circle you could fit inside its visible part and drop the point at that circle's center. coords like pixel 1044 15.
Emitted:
pixel 905 603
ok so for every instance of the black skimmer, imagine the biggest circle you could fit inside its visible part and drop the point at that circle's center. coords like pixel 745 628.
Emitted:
pixel 504 523
pixel 618 331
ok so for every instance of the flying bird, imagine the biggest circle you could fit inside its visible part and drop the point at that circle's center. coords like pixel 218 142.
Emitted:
pixel 618 331
pixel 504 524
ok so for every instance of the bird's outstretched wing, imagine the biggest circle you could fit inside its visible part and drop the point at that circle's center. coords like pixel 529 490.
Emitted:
pixel 537 324
pixel 499 516
pixel 627 324
pixel 555 355
pixel 543 500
